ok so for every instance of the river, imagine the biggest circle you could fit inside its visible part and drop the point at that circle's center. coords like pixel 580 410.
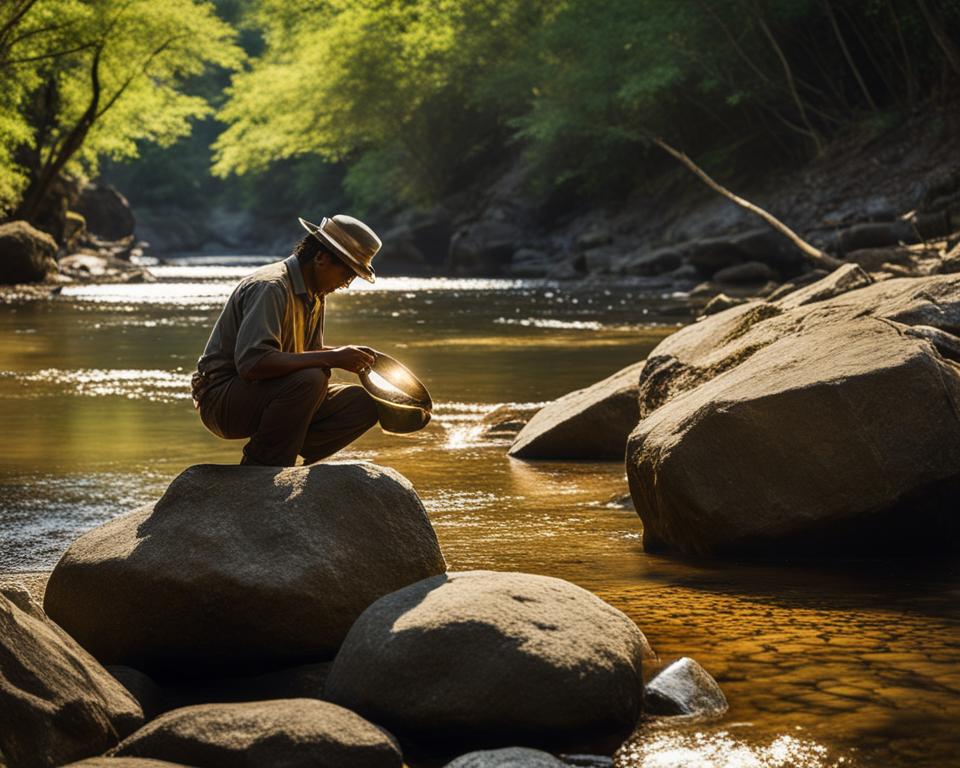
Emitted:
pixel 825 664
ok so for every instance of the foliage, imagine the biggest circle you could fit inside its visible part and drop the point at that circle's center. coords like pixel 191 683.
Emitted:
pixel 81 81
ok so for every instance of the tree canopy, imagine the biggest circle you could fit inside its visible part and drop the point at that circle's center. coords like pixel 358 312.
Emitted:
pixel 85 80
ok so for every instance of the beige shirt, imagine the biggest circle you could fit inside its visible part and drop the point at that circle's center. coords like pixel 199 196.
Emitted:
pixel 269 311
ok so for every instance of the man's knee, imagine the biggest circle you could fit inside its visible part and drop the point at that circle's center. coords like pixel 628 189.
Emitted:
pixel 368 408
pixel 312 382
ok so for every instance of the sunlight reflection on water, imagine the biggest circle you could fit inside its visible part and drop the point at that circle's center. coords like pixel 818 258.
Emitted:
pixel 721 750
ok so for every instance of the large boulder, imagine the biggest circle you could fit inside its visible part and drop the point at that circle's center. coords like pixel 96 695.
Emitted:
pixel 57 703
pixel 809 423
pixel 106 211
pixel 293 733
pixel 484 248
pixel 27 255
pixel 236 567
pixel 482 658
pixel 590 423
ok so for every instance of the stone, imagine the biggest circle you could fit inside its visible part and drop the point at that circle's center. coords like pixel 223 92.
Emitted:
pixel 287 732
pixel 399 254
pixel 849 277
pixel 529 262
pixel 651 263
pixel 814 423
pixel 27 255
pixel 482 658
pixel 598 234
pixel 509 757
pixel 709 255
pixel 795 283
pixel 721 302
pixel 106 211
pixel 57 703
pixel 874 259
pixel 748 273
pixel 123 762
pixel 237 569
pixel 147 693
pixel 484 248
pixel 507 420
pixel 684 688
pixel 591 423
pixel 875 234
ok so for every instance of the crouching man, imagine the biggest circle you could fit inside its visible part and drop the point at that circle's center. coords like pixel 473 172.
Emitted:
pixel 265 373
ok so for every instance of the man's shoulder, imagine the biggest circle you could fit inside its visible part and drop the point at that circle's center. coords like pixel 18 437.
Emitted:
pixel 271 277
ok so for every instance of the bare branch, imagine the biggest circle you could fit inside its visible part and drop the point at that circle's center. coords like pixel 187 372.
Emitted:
pixel 815 255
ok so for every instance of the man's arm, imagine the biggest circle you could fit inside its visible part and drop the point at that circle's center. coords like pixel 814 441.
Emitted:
pixel 275 364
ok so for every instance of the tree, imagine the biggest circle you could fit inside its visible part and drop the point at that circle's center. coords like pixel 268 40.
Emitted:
pixel 86 80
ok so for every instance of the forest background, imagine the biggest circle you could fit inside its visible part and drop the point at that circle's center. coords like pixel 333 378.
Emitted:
pixel 273 108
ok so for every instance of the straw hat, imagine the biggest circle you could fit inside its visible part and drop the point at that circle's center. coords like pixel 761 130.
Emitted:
pixel 350 239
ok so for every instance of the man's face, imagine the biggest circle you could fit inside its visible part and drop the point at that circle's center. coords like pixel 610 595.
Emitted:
pixel 330 273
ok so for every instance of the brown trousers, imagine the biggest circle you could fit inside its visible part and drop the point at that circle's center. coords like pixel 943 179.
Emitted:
pixel 301 413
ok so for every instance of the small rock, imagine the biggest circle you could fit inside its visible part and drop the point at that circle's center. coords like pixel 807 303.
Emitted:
pixel 590 423
pixel 748 273
pixel 147 693
pixel 650 263
pixel 596 236
pixel 480 658
pixel 287 732
pixel 875 234
pixel 849 277
pixel 721 302
pixel 57 703
pixel 684 688
pixel 510 757
pixel 507 419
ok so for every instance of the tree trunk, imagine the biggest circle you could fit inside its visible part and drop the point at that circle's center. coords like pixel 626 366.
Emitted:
pixel 817 257
pixel 791 85
pixel 847 56
pixel 949 48
pixel 60 155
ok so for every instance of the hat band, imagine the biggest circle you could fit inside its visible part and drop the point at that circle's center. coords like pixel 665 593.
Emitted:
pixel 335 231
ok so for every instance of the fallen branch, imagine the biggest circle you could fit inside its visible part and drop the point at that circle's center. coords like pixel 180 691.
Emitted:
pixel 815 255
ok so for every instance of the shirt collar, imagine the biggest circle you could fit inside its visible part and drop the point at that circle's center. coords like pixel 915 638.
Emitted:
pixel 296 275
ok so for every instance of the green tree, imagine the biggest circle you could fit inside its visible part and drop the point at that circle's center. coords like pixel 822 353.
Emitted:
pixel 390 86
pixel 82 81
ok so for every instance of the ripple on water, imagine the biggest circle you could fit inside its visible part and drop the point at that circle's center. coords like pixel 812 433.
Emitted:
pixel 132 384
pixel 43 514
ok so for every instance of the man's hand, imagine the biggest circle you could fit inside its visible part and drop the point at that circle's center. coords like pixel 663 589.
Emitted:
pixel 355 359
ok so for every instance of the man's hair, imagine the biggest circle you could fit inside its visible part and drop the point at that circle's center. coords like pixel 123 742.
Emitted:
pixel 309 248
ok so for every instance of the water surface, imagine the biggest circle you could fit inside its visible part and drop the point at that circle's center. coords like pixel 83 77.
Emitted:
pixel 832 664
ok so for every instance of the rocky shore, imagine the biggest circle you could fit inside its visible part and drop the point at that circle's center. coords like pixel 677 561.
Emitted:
pixel 304 616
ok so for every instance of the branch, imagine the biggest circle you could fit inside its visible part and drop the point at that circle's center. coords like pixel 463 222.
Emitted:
pixel 815 255
pixel 42 56
pixel 788 73
pixel 126 83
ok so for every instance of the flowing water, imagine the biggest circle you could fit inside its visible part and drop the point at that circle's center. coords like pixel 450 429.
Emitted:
pixel 827 664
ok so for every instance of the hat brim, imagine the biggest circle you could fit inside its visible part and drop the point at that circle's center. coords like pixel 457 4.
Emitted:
pixel 361 269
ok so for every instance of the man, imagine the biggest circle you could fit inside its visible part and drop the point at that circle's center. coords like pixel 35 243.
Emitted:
pixel 265 373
